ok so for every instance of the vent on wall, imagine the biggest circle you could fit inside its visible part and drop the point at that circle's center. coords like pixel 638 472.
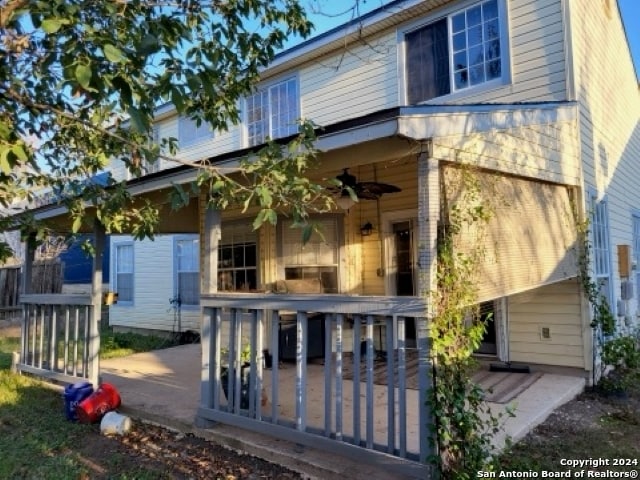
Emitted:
pixel 545 333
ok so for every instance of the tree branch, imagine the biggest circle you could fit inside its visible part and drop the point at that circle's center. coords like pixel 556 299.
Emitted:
pixel 105 131
pixel 7 8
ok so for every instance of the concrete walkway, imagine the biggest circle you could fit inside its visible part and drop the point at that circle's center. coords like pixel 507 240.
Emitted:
pixel 164 387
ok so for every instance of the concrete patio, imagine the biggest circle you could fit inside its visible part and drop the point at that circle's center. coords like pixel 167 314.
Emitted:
pixel 164 387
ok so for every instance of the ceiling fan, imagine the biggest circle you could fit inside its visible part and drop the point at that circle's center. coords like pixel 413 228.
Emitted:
pixel 363 190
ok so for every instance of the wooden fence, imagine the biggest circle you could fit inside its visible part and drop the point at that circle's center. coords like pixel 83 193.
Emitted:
pixel 9 292
pixel 48 277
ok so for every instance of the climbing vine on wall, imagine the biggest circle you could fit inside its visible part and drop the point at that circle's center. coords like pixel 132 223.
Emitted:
pixel 620 353
pixel 463 424
pixel 602 317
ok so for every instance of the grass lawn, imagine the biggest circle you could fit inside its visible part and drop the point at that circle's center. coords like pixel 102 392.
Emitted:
pixel 37 442
pixel 36 439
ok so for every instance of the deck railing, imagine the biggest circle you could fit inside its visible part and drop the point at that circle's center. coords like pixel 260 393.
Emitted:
pixel 317 404
pixel 60 339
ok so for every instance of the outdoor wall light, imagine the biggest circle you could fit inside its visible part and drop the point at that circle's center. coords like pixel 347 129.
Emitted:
pixel 366 229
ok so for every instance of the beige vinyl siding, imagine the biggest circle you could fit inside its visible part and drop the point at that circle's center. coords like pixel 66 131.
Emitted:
pixel 362 79
pixel 609 101
pixel 529 239
pixel 153 288
pixel 369 254
pixel 355 81
pixel 546 152
pixel 537 56
pixel 556 307
pixel 221 142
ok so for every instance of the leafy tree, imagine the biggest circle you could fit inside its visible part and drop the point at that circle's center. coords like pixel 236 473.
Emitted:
pixel 79 83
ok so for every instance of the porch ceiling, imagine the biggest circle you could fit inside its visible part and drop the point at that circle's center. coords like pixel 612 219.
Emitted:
pixel 184 220
pixel 491 133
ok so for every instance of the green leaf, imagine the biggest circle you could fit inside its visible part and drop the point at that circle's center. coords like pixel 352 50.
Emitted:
pixel 19 152
pixel 5 129
pixel 265 196
pixel 176 99
pixel 113 54
pixel 5 166
pixel 259 220
pixel 51 25
pixel 307 231
pixel 137 120
pixel 149 44
pixel 83 76
pixel 77 222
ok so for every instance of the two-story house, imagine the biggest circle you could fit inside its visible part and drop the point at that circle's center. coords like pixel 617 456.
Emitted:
pixel 540 95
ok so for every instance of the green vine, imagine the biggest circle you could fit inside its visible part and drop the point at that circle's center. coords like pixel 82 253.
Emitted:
pixel 463 423
pixel 621 354
pixel 602 318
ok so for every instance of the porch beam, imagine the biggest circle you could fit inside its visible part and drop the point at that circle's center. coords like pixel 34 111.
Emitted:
pixel 328 303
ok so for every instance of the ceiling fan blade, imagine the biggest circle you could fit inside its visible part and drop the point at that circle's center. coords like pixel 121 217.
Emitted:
pixel 374 190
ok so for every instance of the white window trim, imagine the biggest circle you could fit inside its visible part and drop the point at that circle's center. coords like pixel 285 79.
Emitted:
pixel 266 86
pixel 256 238
pixel 114 270
pixel 388 219
pixel 176 239
pixel 203 132
pixel 340 232
pixel 447 11
pixel 635 216
pixel 592 198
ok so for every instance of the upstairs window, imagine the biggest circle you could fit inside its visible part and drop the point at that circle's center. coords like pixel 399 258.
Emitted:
pixel 273 112
pixel 190 133
pixel 455 53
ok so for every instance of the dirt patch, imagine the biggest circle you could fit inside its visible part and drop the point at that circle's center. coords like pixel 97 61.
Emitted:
pixel 150 451
pixel 594 425
pixel 10 328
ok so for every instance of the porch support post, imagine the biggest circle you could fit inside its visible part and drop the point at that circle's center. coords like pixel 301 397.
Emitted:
pixel 428 215
pixel 27 266
pixel 26 287
pixel 96 302
pixel 209 237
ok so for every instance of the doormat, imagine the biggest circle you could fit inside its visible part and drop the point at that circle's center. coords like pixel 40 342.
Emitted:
pixel 499 387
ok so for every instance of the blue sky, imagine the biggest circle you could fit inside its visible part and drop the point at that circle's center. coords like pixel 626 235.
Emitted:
pixel 630 10
pixel 336 12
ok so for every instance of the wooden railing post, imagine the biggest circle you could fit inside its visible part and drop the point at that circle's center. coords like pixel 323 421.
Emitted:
pixel 96 299
pixel 209 334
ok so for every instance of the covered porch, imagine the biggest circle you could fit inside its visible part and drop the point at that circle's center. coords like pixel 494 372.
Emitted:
pixel 164 387
pixel 376 304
